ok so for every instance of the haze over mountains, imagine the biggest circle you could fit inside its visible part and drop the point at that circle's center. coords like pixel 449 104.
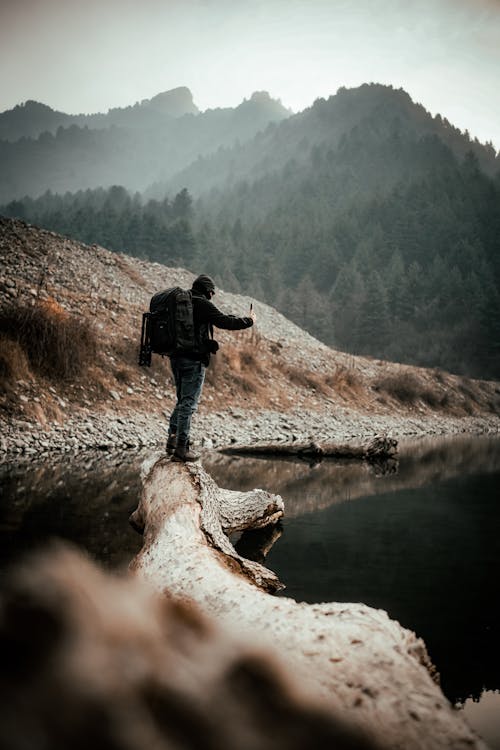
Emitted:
pixel 30 119
pixel 41 149
pixel 363 218
pixel 368 114
pixel 166 143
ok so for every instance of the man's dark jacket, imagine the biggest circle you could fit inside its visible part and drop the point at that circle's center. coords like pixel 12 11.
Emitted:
pixel 205 317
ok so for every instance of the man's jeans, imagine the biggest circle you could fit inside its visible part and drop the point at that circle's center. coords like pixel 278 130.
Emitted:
pixel 189 376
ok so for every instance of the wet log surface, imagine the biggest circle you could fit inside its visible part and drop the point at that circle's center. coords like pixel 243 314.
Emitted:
pixel 365 667
pixel 378 448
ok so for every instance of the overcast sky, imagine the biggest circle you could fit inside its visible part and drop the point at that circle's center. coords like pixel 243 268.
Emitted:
pixel 89 56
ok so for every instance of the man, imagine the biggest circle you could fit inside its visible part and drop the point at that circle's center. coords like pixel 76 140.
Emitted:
pixel 189 367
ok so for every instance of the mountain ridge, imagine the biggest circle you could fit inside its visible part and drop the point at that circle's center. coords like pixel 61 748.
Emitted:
pixel 326 122
pixel 144 148
pixel 134 147
pixel 16 123
pixel 368 222
pixel 364 219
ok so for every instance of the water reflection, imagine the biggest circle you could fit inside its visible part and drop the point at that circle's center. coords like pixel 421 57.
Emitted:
pixel 421 544
pixel 483 715
pixel 313 487
pixel 83 499
pixel 255 544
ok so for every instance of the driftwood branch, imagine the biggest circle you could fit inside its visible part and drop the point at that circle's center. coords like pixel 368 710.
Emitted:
pixel 353 659
pixel 378 448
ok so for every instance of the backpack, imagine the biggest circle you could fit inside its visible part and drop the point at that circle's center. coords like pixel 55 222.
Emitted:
pixel 168 326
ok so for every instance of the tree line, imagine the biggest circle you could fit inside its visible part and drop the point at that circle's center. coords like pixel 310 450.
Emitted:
pixel 390 250
pixel 155 230
pixel 388 247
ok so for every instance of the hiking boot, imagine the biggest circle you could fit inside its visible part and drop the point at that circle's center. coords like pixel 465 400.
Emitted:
pixel 171 443
pixel 184 453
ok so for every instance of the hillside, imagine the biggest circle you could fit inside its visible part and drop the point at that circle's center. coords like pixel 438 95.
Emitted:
pixel 135 146
pixel 273 381
pixel 363 219
pixel 361 118
pixel 369 223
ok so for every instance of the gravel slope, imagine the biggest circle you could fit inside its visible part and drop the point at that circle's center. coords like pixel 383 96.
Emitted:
pixel 272 382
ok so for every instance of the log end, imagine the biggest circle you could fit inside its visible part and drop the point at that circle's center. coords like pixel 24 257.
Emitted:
pixel 185 497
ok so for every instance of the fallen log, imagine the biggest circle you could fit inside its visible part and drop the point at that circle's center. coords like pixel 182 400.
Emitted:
pixel 364 666
pixel 378 448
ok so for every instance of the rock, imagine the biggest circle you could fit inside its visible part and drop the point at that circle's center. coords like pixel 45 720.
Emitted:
pixel 115 395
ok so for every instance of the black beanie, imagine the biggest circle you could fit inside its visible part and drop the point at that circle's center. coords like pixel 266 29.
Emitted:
pixel 203 284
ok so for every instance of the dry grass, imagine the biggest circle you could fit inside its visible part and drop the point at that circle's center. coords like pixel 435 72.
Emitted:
pixel 16 377
pixel 238 367
pixel 439 390
pixel 307 379
pixel 409 389
pixel 342 381
pixel 478 395
pixel 56 344
pixel 240 358
pixel 345 381
pixel 14 364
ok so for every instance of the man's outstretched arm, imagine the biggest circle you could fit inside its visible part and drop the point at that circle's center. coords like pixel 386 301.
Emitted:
pixel 211 314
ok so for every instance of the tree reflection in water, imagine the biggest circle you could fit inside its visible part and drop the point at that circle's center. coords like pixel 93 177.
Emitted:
pixel 421 543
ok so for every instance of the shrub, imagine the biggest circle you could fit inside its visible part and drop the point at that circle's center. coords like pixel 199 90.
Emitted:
pixel 14 367
pixel 238 367
pixel 305 379
pixel 344 380
pixel 13 362
pixel 468 391
pixel 408 389
pixel 124 375
pixel 56 344
pixel 239 358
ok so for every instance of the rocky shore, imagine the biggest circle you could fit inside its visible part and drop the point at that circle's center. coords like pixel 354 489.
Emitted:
pixel 275 382
pixel 108 432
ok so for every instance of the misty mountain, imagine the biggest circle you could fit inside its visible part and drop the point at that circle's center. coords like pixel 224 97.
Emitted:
pixel 365 220
pixel 372 117
pixel 133 147
pixel 31 119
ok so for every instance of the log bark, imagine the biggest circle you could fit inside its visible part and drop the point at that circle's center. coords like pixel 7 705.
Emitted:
pixel 349 657
pixel 378 448
pixel 92 660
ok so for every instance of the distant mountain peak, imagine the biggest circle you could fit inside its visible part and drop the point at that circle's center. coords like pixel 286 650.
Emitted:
pixel 31 105
pixel 260 96
pixel 175 102
pixel 264 101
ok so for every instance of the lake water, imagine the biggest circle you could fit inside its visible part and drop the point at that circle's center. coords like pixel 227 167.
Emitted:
pixel 419 539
